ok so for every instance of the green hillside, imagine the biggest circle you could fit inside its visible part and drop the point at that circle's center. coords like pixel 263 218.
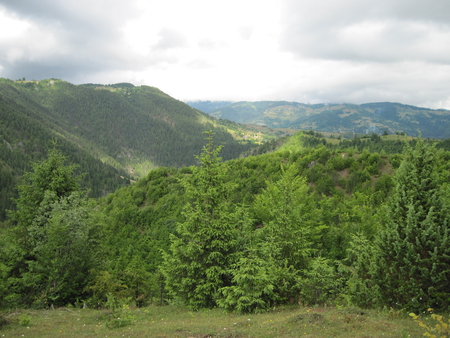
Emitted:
pixel 311 220
pixel 341 118
pixel 114 132
pixel 315 219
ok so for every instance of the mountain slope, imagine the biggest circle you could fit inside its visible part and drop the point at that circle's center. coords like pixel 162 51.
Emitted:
pixel 25 137
pixel 122 124
pixel 111 131
pixel 370 117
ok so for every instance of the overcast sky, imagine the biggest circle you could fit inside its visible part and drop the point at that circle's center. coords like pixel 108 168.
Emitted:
pixel 309 51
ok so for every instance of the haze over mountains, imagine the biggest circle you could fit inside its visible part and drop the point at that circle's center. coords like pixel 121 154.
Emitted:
pixel 336 118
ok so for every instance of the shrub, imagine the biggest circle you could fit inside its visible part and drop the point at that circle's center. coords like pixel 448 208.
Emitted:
pixel 320 284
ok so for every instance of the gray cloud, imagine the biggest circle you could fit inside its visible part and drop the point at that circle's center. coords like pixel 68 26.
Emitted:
pixel 67 39
pixel 311 51
pixel 381 31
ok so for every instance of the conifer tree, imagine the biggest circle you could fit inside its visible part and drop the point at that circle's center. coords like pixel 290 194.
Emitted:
pixel 289 217
pixel 200 257
pixel 51 243
pixel 412 266
pixel 284 245
pixel 47 182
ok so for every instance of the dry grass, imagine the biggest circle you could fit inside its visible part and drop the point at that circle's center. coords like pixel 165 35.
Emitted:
pixel 174 321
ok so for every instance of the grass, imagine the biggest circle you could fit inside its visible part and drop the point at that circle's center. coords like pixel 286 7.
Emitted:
pixel 176 321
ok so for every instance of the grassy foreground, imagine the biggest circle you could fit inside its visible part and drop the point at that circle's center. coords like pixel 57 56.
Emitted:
pixel 175 321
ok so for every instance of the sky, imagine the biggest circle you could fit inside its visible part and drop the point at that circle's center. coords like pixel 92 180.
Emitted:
pixel 308 51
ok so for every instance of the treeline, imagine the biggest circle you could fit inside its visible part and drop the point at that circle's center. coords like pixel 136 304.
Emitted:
pixel 314 225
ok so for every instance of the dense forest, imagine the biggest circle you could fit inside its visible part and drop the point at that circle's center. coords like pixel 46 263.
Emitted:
pixel 305 219
pixel 115 133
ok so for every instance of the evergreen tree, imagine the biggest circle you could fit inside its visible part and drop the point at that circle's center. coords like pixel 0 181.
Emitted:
pixel 253 283
pixel 200 257
pixel 278 255
pixel 65 252
pixel 51 247
pixel 413 260
pixel 48 181
pixel 289 219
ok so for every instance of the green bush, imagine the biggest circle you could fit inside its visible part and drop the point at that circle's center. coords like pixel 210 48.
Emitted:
pixel 320 284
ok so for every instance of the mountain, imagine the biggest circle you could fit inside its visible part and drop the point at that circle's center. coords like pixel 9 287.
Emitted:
pixel 208 106
pixel 341 118
pixel 113 132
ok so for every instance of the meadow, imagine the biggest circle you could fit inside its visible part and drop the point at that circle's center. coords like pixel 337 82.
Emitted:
pixel 179 321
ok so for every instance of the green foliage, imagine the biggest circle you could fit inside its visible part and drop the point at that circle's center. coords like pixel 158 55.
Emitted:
pixel 361 288
pixel 105 286
pixel 64 250
pixel 121 315
pixel 201 254
pixel 114 133
pixel 345 217
pixel 24 320
pixel 396 160
pixel 48 181
pixel 3 321
pixel 253 285
pixel 440 329
pixel 54 237
pixel 320 283
pixel 413 247
pixel 289 218
pixel 185 235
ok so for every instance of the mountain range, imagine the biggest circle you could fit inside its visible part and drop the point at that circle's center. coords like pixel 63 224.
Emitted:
pixel 335 118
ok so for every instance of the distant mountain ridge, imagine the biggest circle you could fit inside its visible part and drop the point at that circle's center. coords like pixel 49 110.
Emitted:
pixel 340 118
pixel 208 106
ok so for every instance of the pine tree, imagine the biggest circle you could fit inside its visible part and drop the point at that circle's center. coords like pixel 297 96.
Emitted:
pixel 200 257
pixel 413 260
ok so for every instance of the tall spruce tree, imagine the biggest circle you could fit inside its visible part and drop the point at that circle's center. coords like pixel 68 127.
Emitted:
pixel 412 267
pixel 200 257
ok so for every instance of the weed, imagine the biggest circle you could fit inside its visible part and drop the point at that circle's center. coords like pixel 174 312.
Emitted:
pixel 439 329
pixel 125 320
pixel 121 315
pixel 24 320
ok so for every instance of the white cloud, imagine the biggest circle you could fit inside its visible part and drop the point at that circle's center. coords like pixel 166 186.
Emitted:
pixel 306 51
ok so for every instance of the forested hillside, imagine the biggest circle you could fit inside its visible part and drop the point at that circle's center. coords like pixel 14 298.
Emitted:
pixel 339 118
pixel 114 132
pixel 315 221
pixel 208 106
